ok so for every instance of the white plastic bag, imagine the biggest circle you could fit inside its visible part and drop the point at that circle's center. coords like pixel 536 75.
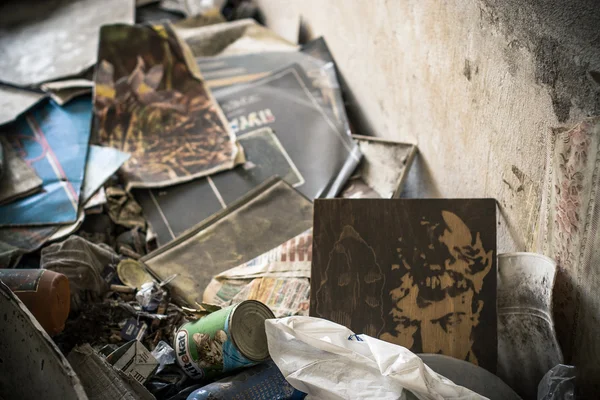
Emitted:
pixel 328 361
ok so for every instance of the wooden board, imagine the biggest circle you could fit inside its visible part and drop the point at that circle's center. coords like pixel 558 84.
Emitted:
pixel 418 273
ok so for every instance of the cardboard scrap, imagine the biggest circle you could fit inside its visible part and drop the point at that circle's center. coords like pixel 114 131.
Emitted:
pixel 101 381
pixel 135 360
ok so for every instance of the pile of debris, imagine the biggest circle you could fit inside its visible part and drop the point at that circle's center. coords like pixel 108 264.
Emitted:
pixel 186 209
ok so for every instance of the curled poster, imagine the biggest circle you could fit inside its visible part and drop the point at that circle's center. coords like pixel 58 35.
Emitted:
pixel 150 101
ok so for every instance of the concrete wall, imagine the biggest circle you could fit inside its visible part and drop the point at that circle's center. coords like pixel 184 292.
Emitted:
pixel 477 84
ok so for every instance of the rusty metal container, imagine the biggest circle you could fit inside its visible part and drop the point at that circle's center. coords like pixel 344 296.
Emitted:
pixel 45 293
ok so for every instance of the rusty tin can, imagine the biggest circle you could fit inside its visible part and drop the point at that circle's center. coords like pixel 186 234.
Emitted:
pixel 45 293
pixel 230 338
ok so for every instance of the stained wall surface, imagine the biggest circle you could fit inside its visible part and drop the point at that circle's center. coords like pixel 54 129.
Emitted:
pixel 480 85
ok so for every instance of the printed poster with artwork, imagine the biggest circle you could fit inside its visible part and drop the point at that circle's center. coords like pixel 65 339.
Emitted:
pixel 417 273
pixel 150 101
pixel 317 143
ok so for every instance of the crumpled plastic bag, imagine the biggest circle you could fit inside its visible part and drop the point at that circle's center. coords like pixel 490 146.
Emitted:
pixel 164 354
pixel 558 383
pixel 328 361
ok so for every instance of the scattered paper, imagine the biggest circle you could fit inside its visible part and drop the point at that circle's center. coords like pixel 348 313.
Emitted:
pixel 19 179
pixel 151 101
pixel 42 41
pixel 14 102
pixel 54 141
pixel 279 278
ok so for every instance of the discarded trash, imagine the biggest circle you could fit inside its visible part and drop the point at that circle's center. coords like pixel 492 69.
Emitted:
pixel 527 345
pixel 236 37
pixel 45 293
pixel 135 360
pixel 261 382
pixel 133 243
pixel 277 101
pixel 314 58
pixel 84 263
pixel 267 216
pixel 385 164
pixel 95 203
pixel 35 35
pixel 122 289
pixel 133 274
pixel 123 209
pixel 225 340
pixel 18 179
pixel 329 361
pixel 15 241
pixel 356 188
pixel 172 384
pixel 279 278
pixel 148 86
pixel 103 382
pixel 558 384
pixel 134 329
pixel 149 296
pixel 168 209
pixel 66 90
pixel 164 354
pixel 102 163
pixel 194 8
pixel 27 351
pixel 14 102
pixel 55 141
pixel 122 319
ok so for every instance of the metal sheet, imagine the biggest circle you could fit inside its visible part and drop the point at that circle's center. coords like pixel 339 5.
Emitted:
pixel 42 41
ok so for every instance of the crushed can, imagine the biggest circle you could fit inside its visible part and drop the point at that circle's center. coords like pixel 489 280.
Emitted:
pixel 230 338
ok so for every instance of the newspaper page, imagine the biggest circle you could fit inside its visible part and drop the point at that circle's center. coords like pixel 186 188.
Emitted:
pixel 279 278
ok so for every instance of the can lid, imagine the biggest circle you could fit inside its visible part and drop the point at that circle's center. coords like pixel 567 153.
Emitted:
pixel 247 329
pixel 133 274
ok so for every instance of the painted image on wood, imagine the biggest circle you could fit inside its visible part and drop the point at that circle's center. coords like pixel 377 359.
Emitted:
pixel 417 273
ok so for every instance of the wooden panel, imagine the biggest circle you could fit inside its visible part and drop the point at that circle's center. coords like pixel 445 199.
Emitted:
pixel 418 273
